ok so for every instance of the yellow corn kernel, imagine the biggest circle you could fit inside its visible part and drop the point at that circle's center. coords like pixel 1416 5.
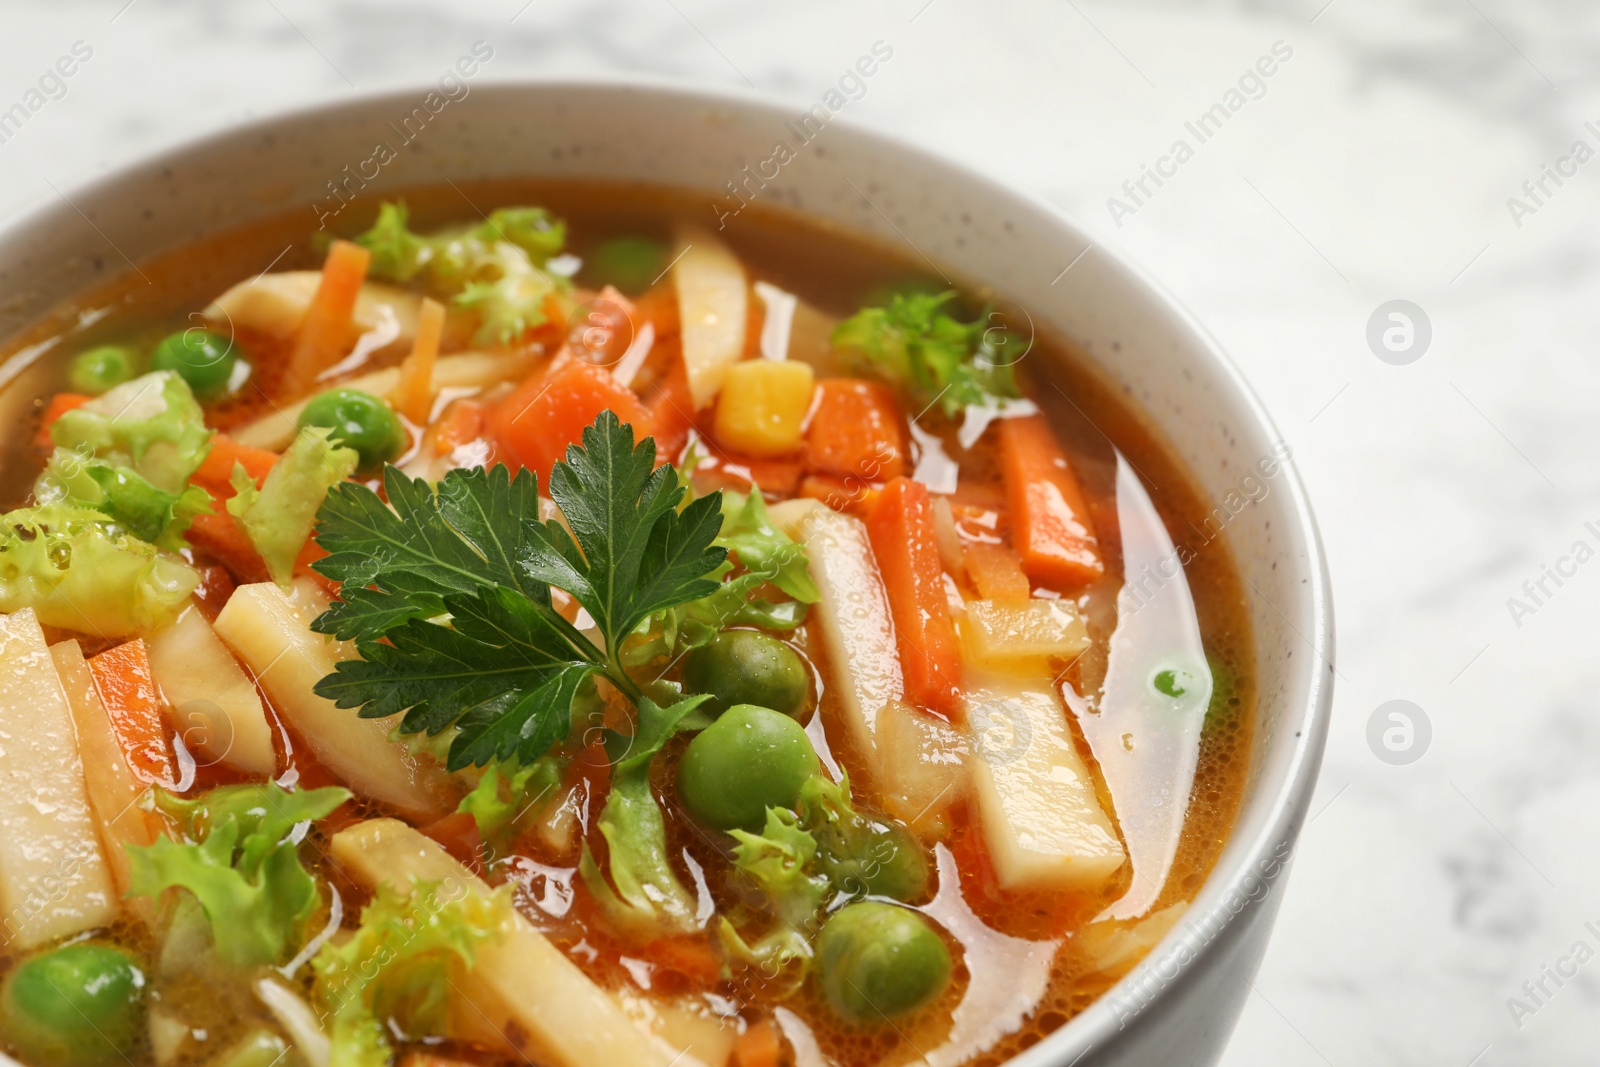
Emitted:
pixel 763 406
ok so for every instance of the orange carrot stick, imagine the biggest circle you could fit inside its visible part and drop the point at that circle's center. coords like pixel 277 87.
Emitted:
pixel 907 549
pixel 1050 526
pixel 327 330
pixel 216 473
pixel 414 398
pixel 856 429
pixel 462 423
pixel 133 703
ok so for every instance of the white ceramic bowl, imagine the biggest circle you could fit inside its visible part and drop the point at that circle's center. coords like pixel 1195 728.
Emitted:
pixel 1180 1004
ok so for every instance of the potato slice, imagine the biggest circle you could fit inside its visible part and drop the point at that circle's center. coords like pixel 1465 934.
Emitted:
pixel 923 763
pixel 262 624
pixel 54 881
pixel 533 997
pixel 112 788
pixel 856 628
pixel 1041 817
pixel 713 304
pixel 217 708
pixel 1022 637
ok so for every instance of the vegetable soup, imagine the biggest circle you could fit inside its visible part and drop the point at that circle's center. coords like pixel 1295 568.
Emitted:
pixel 533 626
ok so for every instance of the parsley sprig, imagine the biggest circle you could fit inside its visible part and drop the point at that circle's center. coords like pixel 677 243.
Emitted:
pixel 446 592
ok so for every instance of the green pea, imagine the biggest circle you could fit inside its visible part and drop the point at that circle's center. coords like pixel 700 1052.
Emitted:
pixel 78 1006
pixel 360 421
pixel 98 369
pixel 747 667
pixel 204 359
pixel 749 760
pixel 629 263
pixel 878 960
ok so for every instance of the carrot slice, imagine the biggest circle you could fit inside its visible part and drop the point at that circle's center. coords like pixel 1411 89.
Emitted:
pixel 133 703
pixel 462 423
pixel 853 494
pixel 997 573
pixel 856 429
pixel 907 550
pixel 414 397
pixel 326 332
pixel 1050 526
pixel 534 425
pixel 216 472
pixel 59 405
pixel 672 413
pixel 758 1046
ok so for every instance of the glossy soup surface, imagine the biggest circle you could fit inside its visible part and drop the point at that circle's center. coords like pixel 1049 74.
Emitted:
pixel 1024 960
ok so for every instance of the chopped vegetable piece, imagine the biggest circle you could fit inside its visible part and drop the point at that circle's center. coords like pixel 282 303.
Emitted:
pixel 138 718
pixel 997 573
pixel 749 760
pixel 204 359
pixel 414 397
pixel 762 407
pixel 122 494
pixel 53 877
pixel 856 430
pixel 508 797
pixel 80 571
pixel 904 543
pixel 272 635
pixel 329 327
pixel 495 270
pixel 672 413
pixel 876 961
pixel 410 948
pixel 216 473
pixel 923 760
pixel 533 998
pixel 648 901
pixel 80 1005
pixel 507 669
pixel 1022 637
pixel 1051 529
pixel 274 305
pixel 860 855
pixel 216 706
pixel 114 792
pixel 240 860
pixel 278 517
pixel 536 424
pixel 713 304
pixel 852 494
pixel 98 369
pixel 857 629
pixel 151 425
pixel 915 344
pixel 759 1046
pixel 1042 821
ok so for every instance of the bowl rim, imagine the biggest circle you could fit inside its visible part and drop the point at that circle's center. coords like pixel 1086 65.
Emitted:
pixel 1095 1026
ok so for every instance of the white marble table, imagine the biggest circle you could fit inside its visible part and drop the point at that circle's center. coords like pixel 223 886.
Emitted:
pixel 1375 163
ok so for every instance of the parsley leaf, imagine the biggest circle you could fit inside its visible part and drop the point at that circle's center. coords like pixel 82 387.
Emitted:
pixel 447 593
pixel 913 343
